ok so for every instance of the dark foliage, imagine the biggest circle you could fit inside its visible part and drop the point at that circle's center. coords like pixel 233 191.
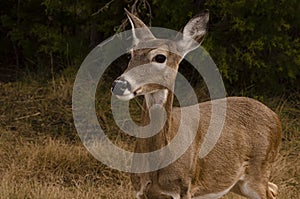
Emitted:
pixel 255 43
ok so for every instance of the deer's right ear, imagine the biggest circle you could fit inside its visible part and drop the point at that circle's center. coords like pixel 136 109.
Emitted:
pixel 139 30
pixel 194 32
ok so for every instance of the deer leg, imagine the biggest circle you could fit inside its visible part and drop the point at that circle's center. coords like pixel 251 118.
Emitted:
pixel 185 190
pixel 255 182
pixel 255 189
pixel 252 190
pixel 272 190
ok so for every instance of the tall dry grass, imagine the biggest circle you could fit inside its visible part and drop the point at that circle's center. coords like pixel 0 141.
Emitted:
pixel 41 155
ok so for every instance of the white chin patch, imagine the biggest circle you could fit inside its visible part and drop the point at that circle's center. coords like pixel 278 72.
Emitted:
pixel 125 97
pixel 126 92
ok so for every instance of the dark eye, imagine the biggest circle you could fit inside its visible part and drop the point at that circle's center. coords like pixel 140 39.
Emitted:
pixel 160 58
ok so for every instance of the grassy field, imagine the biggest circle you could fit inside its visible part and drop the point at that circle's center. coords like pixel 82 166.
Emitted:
pixel 42 156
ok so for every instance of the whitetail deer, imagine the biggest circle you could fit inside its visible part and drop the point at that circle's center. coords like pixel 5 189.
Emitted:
pixel 242 157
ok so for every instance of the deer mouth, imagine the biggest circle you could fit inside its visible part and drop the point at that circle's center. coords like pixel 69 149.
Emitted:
pixel 128 95
pixel 125 97
pixel 125 90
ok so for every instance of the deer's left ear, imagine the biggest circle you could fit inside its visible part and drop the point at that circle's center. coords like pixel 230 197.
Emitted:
pixel 139 30
pixel 194 32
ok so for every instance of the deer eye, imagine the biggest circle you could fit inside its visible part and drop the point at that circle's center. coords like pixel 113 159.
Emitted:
pixel 160 58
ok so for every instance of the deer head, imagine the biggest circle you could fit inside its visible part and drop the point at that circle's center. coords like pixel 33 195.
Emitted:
pixel 154 62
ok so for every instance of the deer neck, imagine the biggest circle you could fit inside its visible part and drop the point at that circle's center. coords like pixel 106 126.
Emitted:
pixel 163 98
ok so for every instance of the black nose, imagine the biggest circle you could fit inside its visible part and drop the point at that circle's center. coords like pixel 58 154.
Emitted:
pixel 119 86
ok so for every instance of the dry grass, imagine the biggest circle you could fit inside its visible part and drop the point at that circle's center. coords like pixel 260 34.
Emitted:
pixel 47 168
pixel 42 157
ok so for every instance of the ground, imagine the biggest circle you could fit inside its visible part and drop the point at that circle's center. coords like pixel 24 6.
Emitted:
pixel 42 156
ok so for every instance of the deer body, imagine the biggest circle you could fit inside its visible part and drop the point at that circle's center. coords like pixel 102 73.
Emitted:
pixel 247 147
pixel 241 159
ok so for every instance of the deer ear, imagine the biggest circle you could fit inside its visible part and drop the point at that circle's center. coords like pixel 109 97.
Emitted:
pixel 194 32
pixel 139 30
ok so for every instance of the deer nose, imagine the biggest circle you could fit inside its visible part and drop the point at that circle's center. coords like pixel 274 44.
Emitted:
pixel 120 87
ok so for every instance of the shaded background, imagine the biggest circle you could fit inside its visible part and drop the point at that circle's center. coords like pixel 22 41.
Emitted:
pixel 255 44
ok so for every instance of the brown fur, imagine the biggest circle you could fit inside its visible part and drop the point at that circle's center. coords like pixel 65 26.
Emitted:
pixel 250 139
pixel 242 157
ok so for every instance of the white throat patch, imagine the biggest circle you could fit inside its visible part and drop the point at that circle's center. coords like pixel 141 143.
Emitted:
pixel 159 97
